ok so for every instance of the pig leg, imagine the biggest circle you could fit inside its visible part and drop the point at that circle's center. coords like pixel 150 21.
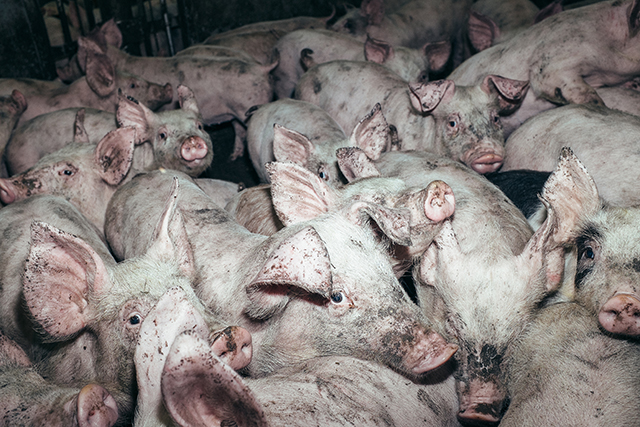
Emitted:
pixel 241 136
pixel 562 88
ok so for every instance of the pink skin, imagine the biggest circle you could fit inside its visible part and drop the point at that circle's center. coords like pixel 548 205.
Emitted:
pixel 7 192
pixel 621 314
pixel 487 163
pixel 481 402
pixel 96 407
pixel 430 352
pixel 194 148
pixel 233 346
pixel 440 203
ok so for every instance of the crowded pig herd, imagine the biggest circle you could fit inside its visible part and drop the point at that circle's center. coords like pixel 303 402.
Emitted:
pixel 446 232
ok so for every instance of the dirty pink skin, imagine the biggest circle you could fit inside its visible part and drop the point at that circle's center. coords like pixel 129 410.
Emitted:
pixel 623 98
pixel 268 272
pixel 216 102
pixel 492 240
pixel 325 45
pixel 414 24
pixel 594 133
pixel 152 150
pixel 460 122
pixel 11 108
pixel 294 131
pixel 85 174
pixel 110 303
pixel 98 89
pixel 607 30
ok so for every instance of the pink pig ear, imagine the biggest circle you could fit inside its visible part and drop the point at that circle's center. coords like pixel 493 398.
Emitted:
pixel 373 10
pixel 297 193
pixel 291 146
pixel 394 223
pixel 300 261
pixel 510 92
pixel 187 99
pixel 96 407
pixel 100 74
pixel 483 31
pixel 12 353
pixel 112 33
pixel 79 132
pixel 130 112
pixel 114 155
pixel 354 163
pixel 438 54
pixel 425 97
pixel 378 51
pixel 201 390
pixel 547 11
pixel 372 134
pixel 61 272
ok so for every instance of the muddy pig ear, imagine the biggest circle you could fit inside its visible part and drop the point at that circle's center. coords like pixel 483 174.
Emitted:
pixel 425 97
pixel 510 92
pixel 393 223
pixel 112 33
pixel 300 261
pixel 378 51
pixel 100 74
pixel 354 163
pixel 373 10
pixel 130 112
pixel 438 54
pixel 187 99
pixel 170 241
pixel 483 31
pixel 96 407
pixel 297 193
pixel 79 132
pixel 372 134
pixel 114 155
pixel 200 390
pixel 61 272
pixel 291 146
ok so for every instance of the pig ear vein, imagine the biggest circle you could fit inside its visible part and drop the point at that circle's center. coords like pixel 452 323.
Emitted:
pixel 114 154
pixel 60 273
pixel 100 74
pixel 130 112
pixel 291 146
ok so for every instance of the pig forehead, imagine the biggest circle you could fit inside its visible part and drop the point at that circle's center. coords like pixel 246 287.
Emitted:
pixel 618 231
pixel 178 118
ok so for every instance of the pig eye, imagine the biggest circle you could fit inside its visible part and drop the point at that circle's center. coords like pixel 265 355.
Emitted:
pixel 337 297
pixel 132 85
pixel 588 253
pixel 323 174
pixel 496 119
pixel 199 126
pixel 136 319
pixel 452 122
pixel 162 135
pixel 67 172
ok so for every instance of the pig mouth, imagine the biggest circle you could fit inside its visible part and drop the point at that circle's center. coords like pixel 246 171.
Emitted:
pixel 486 163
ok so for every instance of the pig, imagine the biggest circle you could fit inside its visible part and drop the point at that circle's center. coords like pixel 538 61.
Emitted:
pixel 325 46
pixel 281 26
pixel 485 253
pixel 257 44
pixel 328 391
pixel 28 399
pixel 595 135
pixel 85 174
pixel 217 103
pixel 219 190
pixel 622 98
pixel 255 279
pixel 214 51
pixel 98 89
pixel 565 371
pixel 463 123
pixel 253 209
pixel 305 134
pixel 172 139
pixel 11 107
pixel 551 55
pixel 97 328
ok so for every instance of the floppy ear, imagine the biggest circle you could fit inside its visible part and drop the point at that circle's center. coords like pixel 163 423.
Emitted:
pixel 100 74
pixel 291 146
pixel 438 54
pixel 130 112
pixel 187 99
pixel 372 134
pixel 373 10
pixel 425 97
pixel 354 163
pixel 510 92
pixel 114 155
pixel 394 223
pixel 378 51
pixel 61 272
pixel 112 33
pixel 483 31
pixel 79 132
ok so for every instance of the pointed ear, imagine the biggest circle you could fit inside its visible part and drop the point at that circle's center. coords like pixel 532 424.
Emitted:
pixel 187 99
pixel 300 261
pixel 112 33
pixel 297 193
pixel 425 97
pixel 79 132
pixel 114 155
pixel 170 241
pixel 373 10
pixel 130 112
pixel 100 74
pixel 96 407
pixel 61 272
pixel 378 51
pixel 569 194
pixel 200 390
pixel 483 31
pixel 94 43
pixel 291 146
pixel 547 11
pixel 445 246
pixel 510 92
pixel 438 54
pixel 372 134
pixel 394 223
pixel 354 163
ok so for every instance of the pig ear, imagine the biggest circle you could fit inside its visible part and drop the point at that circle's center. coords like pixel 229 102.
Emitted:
pixel 60 273
pixel 425 97
pixel 547 11
pixel 354 163
pixel 291 146
pixel 300 261
pixel 569 194
pixel 93 43
pixel 114 155
pixel 306 59
pixel 79 132
pixel 510 92
pixel 18 102
pixel 378 51
pixel 12 353
pixel 100 74
pixel 372 134
pixel 438 54
pixel 200 390
pixel 112 33
pixel 130 112
pixel 483 31
pixel 297 193
pixel 187 99
pixel 445 245
pixel 373 10
pixel 394 223
pixel 634 18
pixel 170 241
pixel 96 407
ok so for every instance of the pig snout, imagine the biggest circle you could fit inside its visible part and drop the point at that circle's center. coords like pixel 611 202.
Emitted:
pixel 193 149
pixel 7 192
pixel 621 314
pixel 481 402
pixel 233 346
pixel 440 203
